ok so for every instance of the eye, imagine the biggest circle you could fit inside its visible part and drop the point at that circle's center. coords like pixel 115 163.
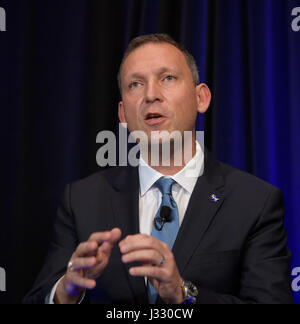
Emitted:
pixel 134 85
pixel 169 78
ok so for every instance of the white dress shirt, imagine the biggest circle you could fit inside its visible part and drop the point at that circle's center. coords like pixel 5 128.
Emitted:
pixel 150 196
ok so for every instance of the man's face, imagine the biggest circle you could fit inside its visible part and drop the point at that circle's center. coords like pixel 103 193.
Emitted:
pixel 158 91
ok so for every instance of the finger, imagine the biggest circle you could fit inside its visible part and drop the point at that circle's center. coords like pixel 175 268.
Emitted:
pixel 115 235
pixel 157 273
pixel 86 249
pixel 108 245
pixel 101 263
pixel 149 256
pixel 83 263
pixel 142 242
pixel 100 237
pixel 74 279
pixel 97 270
pixel 102 258
pixel 110 236
pixel 103 255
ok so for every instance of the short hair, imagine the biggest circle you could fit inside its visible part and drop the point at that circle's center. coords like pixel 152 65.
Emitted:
pixel 160 38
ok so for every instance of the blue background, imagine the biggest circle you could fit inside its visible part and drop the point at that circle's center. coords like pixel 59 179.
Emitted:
pixel 58 65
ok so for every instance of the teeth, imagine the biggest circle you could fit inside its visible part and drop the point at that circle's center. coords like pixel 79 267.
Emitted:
pixel 150 116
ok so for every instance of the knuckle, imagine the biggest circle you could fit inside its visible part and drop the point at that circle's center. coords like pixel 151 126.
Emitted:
pixel 102 261
pixel 153 255
pixel 80 247
pixel 152 272
pixel 77 263
pixel 165 246
pixel 127 239
pixel 91 261
pixel 171 257
pixel 167 275
pixel 93 245
pixel 149 240
pixel 143 237
pixel 88 263
pixel 100 256
pixel 92 236
pixel 152 240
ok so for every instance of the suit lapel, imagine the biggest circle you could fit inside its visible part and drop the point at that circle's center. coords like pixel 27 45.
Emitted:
pixel 125 204
pixel 199 215
pixel 200 212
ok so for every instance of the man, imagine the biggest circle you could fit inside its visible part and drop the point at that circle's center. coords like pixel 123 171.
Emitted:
pixel 229 242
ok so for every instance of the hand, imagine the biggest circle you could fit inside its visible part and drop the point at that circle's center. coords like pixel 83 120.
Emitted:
pixel 149 251
pixel 88 263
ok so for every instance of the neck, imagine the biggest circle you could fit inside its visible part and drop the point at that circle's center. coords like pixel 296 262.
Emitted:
pixel 175 161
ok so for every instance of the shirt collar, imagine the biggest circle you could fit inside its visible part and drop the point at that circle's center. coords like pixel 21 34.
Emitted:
pixel 186 178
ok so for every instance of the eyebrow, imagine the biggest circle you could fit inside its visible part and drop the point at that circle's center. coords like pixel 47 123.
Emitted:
pixel 139 75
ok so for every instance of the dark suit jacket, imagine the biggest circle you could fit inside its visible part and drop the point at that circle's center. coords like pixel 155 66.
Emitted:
pixel 234 250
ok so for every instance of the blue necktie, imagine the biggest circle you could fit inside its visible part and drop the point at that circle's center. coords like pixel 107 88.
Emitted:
pixel 170 229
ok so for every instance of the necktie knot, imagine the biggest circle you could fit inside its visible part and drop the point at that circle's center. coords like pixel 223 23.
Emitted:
pixel 165 185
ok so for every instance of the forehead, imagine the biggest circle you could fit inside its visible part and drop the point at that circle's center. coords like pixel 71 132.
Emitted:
pixel 153 57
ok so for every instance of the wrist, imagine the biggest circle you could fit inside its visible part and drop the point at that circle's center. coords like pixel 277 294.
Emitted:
pixel 178 296
pixel 63 295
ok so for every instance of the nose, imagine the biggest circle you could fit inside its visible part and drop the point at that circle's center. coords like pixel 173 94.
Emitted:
pixel 152 92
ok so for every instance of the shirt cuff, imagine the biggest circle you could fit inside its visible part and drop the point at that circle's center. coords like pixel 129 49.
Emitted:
pixel 49 300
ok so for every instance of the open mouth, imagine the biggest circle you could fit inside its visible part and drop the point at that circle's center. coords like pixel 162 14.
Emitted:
pixel 153 116
pixel 154 119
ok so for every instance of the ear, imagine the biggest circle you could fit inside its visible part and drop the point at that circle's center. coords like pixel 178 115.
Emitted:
pixel 203 97
pixel 121 113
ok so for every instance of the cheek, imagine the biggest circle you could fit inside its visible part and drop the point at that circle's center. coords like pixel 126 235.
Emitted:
pixel 187 108
pixel 131 115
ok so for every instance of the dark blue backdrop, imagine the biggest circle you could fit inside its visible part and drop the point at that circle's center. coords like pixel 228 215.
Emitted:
pixel 58 89
pixel 255 80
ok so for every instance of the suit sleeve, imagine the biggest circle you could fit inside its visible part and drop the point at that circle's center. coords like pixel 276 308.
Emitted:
pixel 63 244
pixel 265 271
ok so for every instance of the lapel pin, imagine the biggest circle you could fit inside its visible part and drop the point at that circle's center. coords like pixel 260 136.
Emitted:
pixel 214 198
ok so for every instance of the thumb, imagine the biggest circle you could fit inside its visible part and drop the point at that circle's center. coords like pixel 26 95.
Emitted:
pixel 115 236
pixel 108 245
